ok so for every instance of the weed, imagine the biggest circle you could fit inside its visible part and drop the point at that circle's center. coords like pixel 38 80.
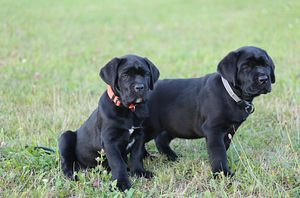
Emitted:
pixel 50 56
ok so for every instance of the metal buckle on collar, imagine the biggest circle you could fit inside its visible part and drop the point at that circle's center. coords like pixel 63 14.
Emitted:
pixel 248 107
pixel 133 109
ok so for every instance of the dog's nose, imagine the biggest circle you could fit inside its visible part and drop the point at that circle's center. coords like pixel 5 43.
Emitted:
pixel 263 79
pixel 138 87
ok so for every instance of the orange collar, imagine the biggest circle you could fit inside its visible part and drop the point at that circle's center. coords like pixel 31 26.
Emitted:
pixel 117 99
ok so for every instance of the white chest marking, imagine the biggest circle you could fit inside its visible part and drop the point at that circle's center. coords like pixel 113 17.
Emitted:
pixel 130 144
pixel 131 130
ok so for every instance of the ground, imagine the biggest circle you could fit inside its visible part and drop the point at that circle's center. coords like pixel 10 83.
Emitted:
pixel 51 53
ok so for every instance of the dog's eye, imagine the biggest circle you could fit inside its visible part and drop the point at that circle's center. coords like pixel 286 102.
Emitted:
pixel 147 74
pixel 125 76
pixel 246 67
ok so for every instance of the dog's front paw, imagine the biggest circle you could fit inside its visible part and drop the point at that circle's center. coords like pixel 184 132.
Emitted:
pixel 123 185
pixel 222 173
pixel 173 156
pixel 144 173
pixel 71 176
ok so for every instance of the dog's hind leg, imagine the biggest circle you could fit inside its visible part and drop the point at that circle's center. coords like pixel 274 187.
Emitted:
pixel 67 144
pixel 163 145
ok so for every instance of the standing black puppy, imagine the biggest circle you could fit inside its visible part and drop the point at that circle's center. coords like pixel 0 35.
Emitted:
pixel 117 124
pixel 211 107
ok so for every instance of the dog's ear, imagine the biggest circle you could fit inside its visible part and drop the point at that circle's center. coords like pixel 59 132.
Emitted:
pixel 272 65
pixel 154 72
pixel 109 73
pixel 227 68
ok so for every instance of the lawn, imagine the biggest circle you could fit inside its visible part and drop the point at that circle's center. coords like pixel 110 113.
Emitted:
pixel 50 56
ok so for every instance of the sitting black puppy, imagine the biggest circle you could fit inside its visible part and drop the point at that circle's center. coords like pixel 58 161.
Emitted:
pixel 117 124
pixel 211 107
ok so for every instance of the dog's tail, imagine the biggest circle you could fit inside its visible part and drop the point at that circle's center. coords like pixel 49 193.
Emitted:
pixel 47 150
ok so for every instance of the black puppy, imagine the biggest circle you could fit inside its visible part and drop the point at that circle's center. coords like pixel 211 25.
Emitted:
pixel 211 107
pixel 117 124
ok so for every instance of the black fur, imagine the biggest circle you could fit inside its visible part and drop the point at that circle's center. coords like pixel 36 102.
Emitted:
pixel 202 108
pixel 110 127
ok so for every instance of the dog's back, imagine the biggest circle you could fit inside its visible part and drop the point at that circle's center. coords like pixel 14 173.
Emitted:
pixel 174 106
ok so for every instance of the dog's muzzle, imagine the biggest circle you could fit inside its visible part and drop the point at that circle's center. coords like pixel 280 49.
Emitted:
pixel 139 87
pixel 263 79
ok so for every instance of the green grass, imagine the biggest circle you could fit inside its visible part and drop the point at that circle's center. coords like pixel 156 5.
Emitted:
pixel 66 43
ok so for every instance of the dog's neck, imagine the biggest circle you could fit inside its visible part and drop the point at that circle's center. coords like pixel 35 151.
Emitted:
pixel 246 105
pixel 116 99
